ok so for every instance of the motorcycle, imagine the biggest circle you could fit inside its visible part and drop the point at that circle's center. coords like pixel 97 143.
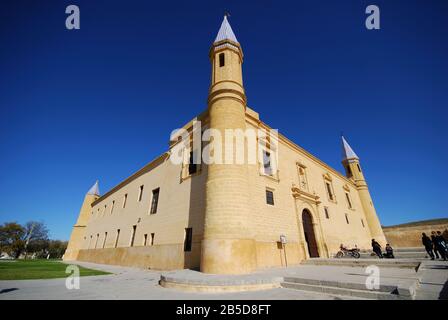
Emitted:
pixel 344 252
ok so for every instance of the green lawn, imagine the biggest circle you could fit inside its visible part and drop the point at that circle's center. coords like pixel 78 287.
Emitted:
pixel 39 269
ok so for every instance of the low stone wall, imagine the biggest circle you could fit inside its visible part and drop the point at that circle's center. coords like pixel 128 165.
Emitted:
pixel 158 257
pixel 410 236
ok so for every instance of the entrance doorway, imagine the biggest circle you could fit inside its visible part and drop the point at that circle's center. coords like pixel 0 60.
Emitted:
pixel 310 238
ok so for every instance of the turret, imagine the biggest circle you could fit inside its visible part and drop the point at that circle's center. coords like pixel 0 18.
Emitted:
pixel 76 238
pixel 228 246
pixel 353 171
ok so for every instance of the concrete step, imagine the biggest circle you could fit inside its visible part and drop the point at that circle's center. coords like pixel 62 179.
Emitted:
pixel 341 291
pixel 387 263
pixel 398 255
pixel 399 250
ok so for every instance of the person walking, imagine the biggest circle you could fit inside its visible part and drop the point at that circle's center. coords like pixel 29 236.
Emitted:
pixel 377 248
pixel 441 245
pixel 427 243
pixel 434 246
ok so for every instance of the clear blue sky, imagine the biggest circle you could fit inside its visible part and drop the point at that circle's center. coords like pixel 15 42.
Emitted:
pixel 100 102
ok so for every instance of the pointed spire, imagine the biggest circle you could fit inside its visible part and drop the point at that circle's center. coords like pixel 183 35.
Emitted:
pixel 225 32
pixel 95 190
pixel 347 151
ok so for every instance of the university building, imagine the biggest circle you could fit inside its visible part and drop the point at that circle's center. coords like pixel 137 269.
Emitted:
pixel 228 218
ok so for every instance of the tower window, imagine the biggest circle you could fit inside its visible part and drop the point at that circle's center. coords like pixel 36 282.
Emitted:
pixel 346 219
pixel 329 191
pixel 221 59
pixel 155 200
pixel 270 197
pixel 97 238
pixel 327 215
pixel 116 239
pixel 124 200
pixel 359 168
pixel 349 171
pixel 134 228
pixel 192 167
pixel 348 201
pixel 140 193
pixel 188 239
pixel 105 238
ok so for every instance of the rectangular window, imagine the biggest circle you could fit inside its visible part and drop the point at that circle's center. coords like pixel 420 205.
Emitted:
pixel 267 163
pixel 155 200
pixel 97 237
pixel 362 222
pixel 116 239
pixel 188 239
pixel 140 193
pixel 192 167
pixel 221 59
pixel 112 207
pixel 151 243
pixel 346 218
pixel 348 200
pixel 359 168
pixel 134 228
pixel 124 200
pixel 327 215
pixel 270 197
pixel 329 191
pixel 145 239
pixel 105 238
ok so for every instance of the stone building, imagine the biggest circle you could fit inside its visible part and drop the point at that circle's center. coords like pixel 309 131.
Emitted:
pixel 228 218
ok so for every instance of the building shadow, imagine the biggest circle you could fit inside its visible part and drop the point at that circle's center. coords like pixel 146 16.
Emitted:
pixel 443 295
pixel 8 290
pixel 196 217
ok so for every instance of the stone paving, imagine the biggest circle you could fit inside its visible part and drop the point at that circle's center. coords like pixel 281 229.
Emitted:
pixel 132 283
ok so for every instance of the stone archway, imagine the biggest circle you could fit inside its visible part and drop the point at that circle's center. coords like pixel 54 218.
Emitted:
pixel 310 236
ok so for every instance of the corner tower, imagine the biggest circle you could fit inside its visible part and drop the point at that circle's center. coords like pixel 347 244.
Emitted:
pixel 227 247
pixel 353 171
pixel 76 238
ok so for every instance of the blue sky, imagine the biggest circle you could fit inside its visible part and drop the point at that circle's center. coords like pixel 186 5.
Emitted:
pixel 100 102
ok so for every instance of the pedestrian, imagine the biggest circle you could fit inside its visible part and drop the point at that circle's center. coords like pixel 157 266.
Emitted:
pixel 427 243
pixel 434 246
pixel 441 245
pixel 377 248
pixel 389 252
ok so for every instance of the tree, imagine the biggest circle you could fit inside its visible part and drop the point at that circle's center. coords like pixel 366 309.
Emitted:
pixel 36 238
pixel 12 238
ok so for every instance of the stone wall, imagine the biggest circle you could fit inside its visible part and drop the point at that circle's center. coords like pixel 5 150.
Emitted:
pixel 410 236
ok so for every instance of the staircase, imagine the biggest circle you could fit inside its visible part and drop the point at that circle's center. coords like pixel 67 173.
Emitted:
pixel 352 290
pixel 399 253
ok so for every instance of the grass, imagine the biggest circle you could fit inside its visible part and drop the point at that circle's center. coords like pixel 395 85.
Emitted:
pixel 39 269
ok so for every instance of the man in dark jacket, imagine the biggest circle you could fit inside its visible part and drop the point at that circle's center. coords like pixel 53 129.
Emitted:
pixel 377 248
pixel 427 243
pixel 441 245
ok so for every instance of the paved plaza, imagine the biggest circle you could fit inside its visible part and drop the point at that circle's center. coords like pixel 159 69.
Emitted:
pixel 133 283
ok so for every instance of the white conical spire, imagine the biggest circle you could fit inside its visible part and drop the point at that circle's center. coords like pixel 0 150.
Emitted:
pixel 95 190
pixel 347 151
pixel 225 32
